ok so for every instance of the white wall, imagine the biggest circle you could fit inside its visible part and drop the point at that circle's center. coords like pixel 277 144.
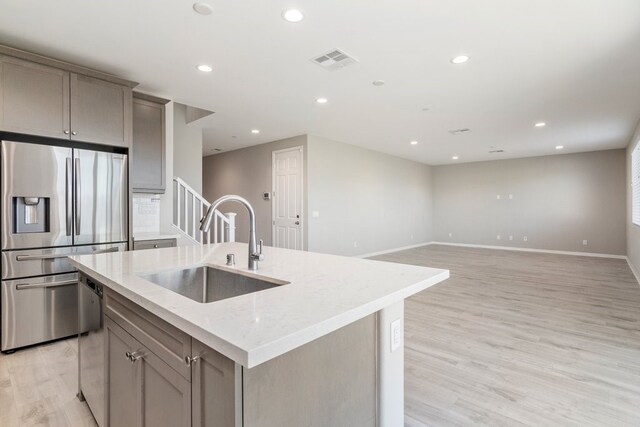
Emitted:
pixel 187 152
pixel 558 201
pixel 633 231
pixel 365 198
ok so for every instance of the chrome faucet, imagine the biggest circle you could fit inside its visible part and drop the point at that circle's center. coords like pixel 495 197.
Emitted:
pixel 205 225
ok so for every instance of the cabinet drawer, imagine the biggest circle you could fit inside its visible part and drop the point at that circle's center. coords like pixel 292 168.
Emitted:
pixel 154 244
pixel 166 341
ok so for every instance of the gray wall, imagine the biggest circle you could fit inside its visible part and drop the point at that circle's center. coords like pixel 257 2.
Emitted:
pixel 187 153
pixel 633 231
pixel 377 200
pixel 558 201
pixel 247 173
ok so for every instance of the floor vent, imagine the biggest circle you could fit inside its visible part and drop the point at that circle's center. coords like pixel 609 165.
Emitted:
pixel 334 60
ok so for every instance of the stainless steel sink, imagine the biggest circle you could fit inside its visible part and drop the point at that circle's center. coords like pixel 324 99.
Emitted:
pixel 208 284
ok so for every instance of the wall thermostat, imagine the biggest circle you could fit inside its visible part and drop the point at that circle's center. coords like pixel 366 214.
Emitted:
pixel 266 196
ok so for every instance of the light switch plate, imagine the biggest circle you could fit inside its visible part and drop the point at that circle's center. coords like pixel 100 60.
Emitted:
pixel 396 334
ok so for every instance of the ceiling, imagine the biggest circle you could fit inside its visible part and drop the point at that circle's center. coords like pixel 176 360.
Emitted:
pixel 574 64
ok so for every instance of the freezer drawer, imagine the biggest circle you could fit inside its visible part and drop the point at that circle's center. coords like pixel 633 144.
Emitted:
pixel 36 196
pixel 40 262
pixel 38 310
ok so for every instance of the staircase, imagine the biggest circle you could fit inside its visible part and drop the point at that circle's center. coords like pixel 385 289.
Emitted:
pixel 189 207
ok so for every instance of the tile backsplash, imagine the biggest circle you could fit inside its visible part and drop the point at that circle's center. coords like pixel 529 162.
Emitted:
pixel 146 214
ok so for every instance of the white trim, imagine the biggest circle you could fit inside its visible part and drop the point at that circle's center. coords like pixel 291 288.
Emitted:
pixel 633 270
pixel 403 248
pixel 548 251
pixel 273 190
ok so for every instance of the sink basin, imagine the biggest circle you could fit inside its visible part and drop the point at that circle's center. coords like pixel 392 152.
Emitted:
pixel 208 284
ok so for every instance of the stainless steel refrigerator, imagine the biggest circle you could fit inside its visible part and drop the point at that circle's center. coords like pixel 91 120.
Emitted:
pixel 56 201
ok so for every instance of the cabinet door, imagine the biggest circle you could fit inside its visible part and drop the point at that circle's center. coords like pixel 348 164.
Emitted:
pixel 34 99
pixel 100 111
pixel 166 395
pixel 123 379
pixel 148 171
pixel 216 388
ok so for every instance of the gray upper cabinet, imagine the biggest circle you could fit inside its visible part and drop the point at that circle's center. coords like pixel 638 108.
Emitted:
pixel 34 98
pixel 39 99
pixel 148 167
pixel 100 111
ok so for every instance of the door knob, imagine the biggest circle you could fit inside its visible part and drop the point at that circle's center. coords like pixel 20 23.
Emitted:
pixel 297 222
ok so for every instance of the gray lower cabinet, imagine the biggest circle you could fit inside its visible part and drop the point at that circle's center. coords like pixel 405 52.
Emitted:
pixel 154 244
pixel 216 390
pixel 159 376
pixel 148 167
pixel 46 101
pixel 34 98
pixel 142 389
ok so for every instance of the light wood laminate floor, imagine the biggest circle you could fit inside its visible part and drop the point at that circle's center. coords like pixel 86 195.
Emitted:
pixel 517 338
pixel 512 338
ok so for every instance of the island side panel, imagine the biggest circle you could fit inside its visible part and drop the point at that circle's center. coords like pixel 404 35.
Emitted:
pixel 391 366
pixel 330 381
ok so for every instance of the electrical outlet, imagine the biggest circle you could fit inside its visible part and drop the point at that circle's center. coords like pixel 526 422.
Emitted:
pixel 355 244
pixel 498 237
pixel 412 237
pixel 498 197
pixel 396 334
pixel 524 238
pixel 510 196
pixel 315 214
pixel 584 242
pixel 450 234
pixel 510 237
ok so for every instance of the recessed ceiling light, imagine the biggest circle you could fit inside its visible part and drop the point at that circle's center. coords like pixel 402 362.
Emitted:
pixel 559 147
pixel 414 143
pixel 455 157
pixel 203 8
pixel 292 15
pixel 378 82
pixel 322 100
pixel 460 59
pixel 205 68
pixel 255 131
pixel 540 124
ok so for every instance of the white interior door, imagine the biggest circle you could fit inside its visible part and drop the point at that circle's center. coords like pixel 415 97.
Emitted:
pixel 287 198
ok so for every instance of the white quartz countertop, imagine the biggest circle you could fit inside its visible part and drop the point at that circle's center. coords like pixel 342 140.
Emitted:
pixel 325 293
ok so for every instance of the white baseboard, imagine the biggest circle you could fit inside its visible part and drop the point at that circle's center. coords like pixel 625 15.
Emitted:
pixel 633 270
pixel 547 251
pixel 388 251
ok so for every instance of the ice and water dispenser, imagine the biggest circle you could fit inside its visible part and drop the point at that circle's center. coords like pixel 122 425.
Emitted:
pixel 30 214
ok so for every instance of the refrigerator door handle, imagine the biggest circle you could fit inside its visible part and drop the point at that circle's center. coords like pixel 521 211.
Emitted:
pixel 68 196
pixel 24 286
pixel 41 257
pixel 76 195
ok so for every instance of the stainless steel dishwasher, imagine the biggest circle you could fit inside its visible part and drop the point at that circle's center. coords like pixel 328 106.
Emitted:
pixel 91 347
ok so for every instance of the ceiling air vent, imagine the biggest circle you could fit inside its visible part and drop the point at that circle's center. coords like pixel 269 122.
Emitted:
pixel 496 151
pixel 334 60
pixel 459 131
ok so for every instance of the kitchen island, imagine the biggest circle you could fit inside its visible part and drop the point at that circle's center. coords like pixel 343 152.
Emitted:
pixel 319 342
